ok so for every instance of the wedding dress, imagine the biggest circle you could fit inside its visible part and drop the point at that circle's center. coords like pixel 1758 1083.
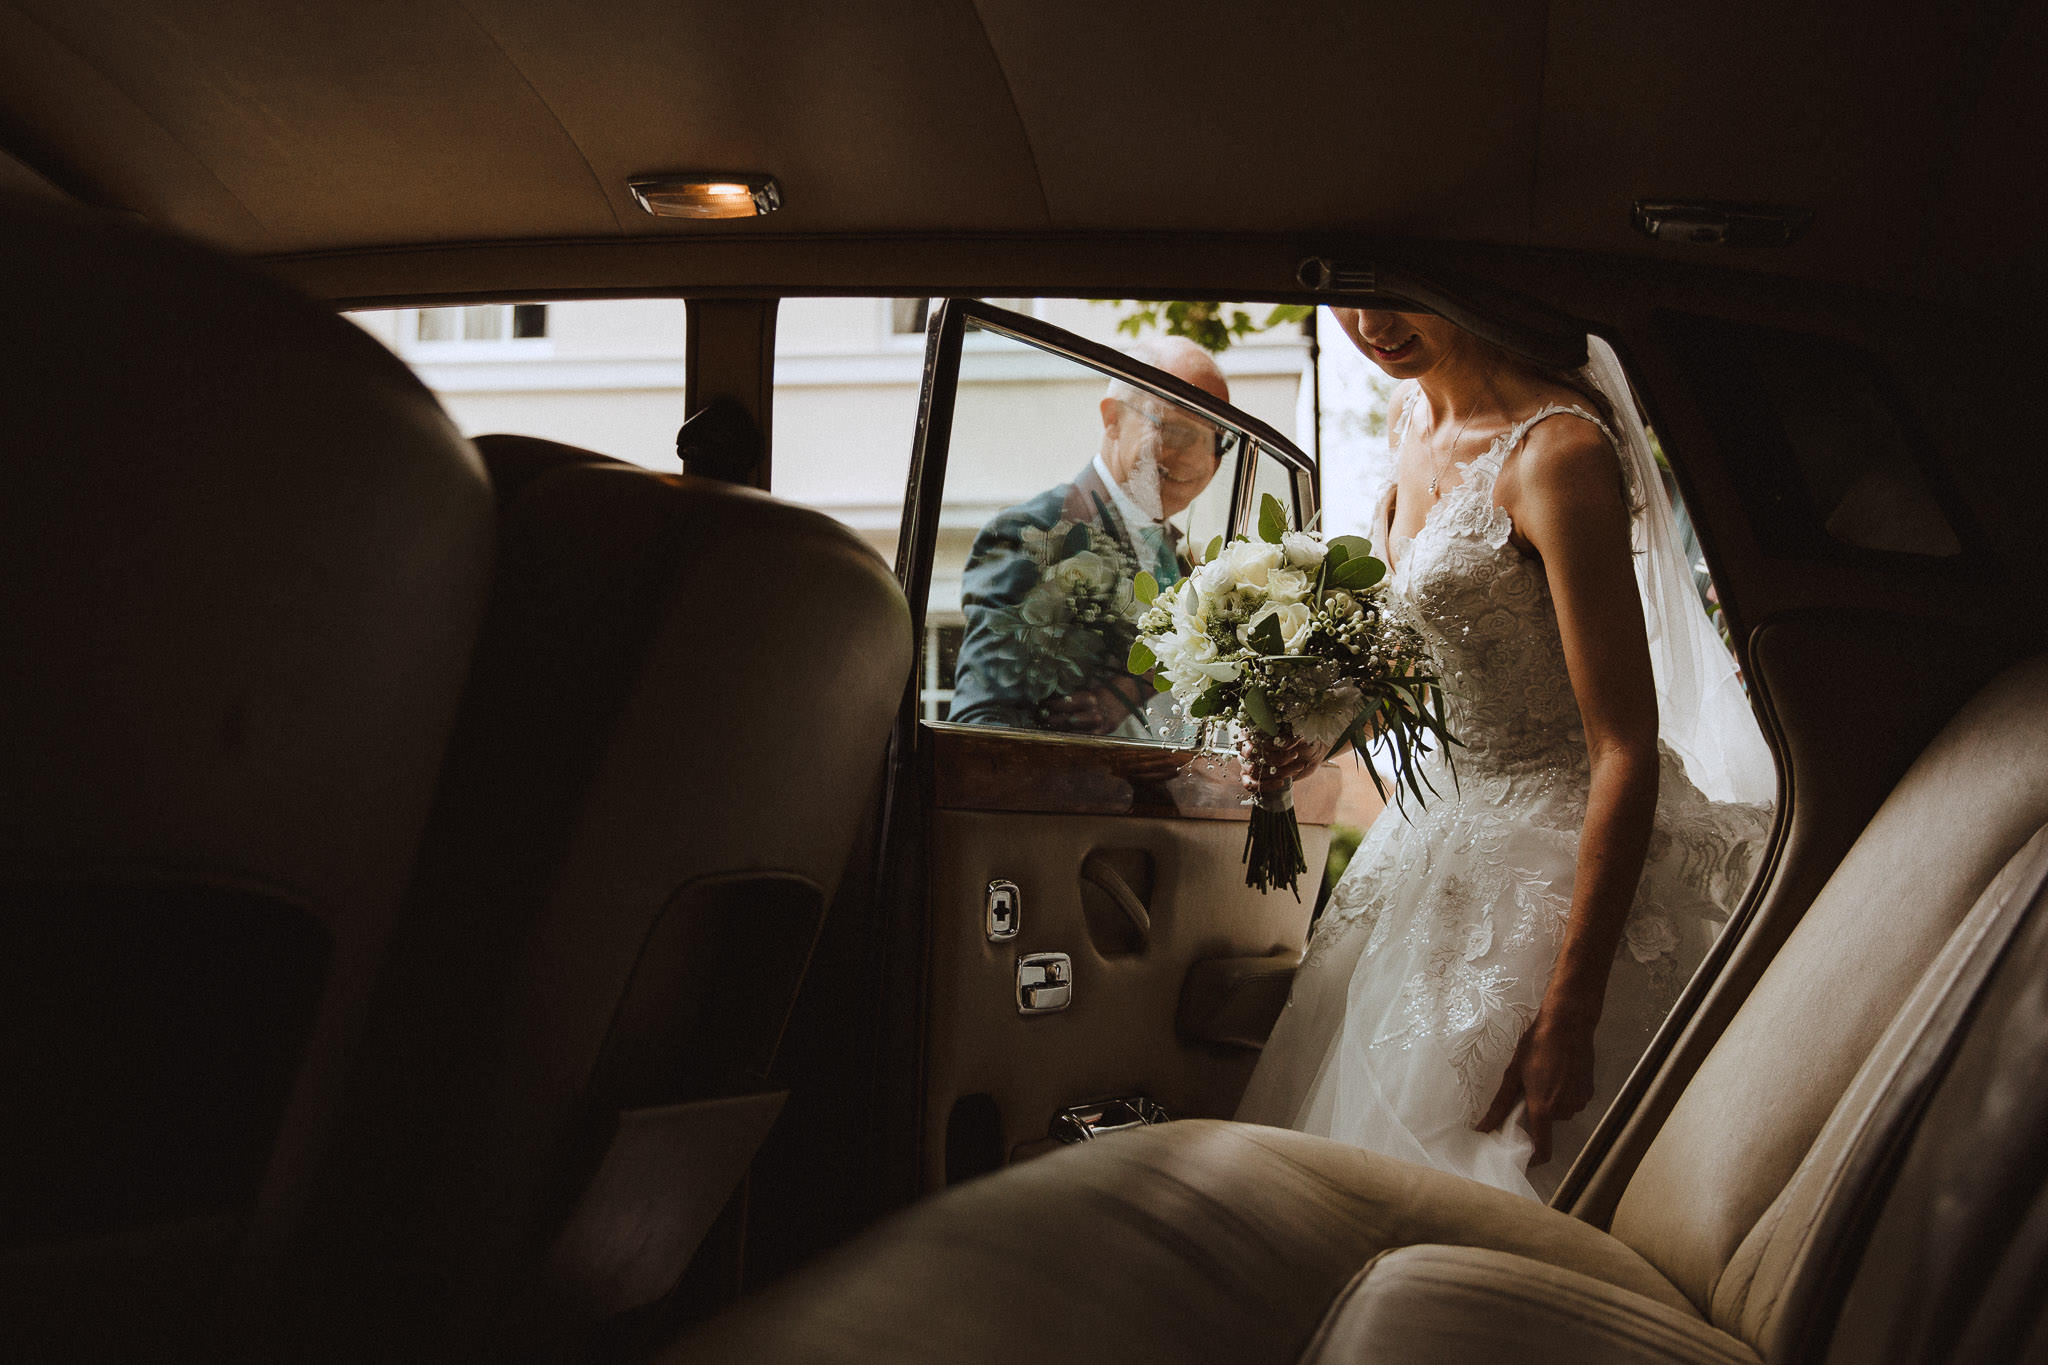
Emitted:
pixel 1437 945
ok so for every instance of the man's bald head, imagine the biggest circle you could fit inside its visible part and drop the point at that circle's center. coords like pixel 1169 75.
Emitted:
pixel 1182 359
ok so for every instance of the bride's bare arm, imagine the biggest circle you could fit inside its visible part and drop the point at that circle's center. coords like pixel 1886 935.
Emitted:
pixel 1564 494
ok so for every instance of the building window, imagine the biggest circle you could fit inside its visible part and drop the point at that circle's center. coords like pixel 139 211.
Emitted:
pixel 483 322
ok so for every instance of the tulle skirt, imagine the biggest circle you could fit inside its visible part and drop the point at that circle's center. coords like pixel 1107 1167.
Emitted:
pixel 1436 948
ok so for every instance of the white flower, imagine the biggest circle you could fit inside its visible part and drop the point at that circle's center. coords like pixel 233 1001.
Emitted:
pixel 1245 563
pixel 1303 551
pixel 1329 718
pixel 1294 624
pixel 1340 603
pixel 1287 585
pixel 1214 577
pixel 1650 937
pixel 1086 572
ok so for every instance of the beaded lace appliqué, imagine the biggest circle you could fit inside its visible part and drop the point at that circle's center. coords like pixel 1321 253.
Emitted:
pixel 1485 610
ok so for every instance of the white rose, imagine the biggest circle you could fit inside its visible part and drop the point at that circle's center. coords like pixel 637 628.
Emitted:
pixel 1294 623
pixel 1245 563
pixel 1207 581
pixel 1303 550
pixel 1287 585
pixel 1084 572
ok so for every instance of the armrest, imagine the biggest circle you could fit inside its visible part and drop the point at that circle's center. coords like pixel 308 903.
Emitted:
pixel 1447 1305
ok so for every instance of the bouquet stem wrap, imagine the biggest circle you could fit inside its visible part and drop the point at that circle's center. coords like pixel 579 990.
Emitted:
pixel 1272 843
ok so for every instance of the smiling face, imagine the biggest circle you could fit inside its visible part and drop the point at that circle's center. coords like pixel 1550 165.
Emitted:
pixel 1405 345
pixel 1145 439
pixel 1162 453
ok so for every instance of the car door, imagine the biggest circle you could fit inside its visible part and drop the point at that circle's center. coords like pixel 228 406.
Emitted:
pixel 1092 955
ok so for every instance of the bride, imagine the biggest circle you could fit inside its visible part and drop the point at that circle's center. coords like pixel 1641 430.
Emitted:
pixel 1492 963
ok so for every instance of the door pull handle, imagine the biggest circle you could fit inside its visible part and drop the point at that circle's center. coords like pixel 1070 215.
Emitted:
pixel 1100 872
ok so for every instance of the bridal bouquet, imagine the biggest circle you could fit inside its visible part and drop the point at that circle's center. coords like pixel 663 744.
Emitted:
pixel 1288 636
pixel 1076 622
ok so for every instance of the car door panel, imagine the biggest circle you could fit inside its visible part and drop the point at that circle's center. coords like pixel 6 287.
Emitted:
pixel 1124 854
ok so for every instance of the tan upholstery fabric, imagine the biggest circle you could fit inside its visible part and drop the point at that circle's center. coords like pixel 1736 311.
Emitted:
pixel 1954 1268
pixel 1752 1113
pixel 1453 1305
pixel 1118 1038
pixel 1749 1298
pixel 1195 1241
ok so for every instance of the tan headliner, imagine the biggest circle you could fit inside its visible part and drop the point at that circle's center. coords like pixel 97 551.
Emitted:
pixel 343 125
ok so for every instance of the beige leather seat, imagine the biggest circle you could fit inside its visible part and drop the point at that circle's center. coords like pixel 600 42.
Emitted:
pixel 1886 1023
pixel 675 729
pixel 242 561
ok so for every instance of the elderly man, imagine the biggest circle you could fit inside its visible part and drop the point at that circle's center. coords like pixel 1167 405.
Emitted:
pixel 1032 656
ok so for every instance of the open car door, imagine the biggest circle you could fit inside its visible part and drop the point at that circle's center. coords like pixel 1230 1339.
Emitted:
pixel 1092 955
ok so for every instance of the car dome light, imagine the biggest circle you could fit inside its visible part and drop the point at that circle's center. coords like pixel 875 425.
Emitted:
pixel 706 196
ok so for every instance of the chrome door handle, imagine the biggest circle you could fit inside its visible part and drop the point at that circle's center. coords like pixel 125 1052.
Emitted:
pixel 1045 983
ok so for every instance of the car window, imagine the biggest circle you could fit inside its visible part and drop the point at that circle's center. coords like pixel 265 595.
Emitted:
pixel 1069 489
pixel 602 374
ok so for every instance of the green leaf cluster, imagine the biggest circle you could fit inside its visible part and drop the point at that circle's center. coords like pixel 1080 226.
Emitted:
pixel 1203 321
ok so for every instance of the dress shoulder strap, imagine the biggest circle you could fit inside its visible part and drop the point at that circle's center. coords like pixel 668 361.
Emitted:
pixel 1520 431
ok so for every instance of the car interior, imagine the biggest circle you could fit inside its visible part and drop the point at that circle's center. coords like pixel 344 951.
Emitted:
pixel 473 897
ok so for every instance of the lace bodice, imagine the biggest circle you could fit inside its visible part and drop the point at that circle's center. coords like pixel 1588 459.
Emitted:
pixel 1436 946
pixel 1484 608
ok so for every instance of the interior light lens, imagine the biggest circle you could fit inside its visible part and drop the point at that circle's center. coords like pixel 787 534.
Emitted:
pixel 706 196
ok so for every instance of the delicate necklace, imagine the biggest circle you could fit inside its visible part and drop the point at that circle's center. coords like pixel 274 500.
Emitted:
pixel 1436 469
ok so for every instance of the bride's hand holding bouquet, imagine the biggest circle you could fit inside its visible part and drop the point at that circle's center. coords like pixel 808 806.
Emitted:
pixel 1288 639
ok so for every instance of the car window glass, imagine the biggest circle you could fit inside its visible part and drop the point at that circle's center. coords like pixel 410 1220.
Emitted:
pixel 1272 478
pixel 601 374
pixel 1063 485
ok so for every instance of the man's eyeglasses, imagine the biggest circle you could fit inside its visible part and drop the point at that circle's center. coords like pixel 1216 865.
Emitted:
pixel 1179 435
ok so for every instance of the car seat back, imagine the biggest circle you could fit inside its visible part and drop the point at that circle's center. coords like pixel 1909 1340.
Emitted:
pixel 1946 1257
pixel 242 560
pixel 1727 1195
pixel 675 729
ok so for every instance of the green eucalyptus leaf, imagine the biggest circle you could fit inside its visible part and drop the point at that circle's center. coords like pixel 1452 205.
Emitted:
pixel 1077 540
pixel 1208 704
pixel 1259 712
pixel 1160 684
pixel 1360 572
pixel 1266 637
pixel 1272 519
pixel 1215 548
pixel 1142 659
pixel 1145 587
pixel 1352 546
